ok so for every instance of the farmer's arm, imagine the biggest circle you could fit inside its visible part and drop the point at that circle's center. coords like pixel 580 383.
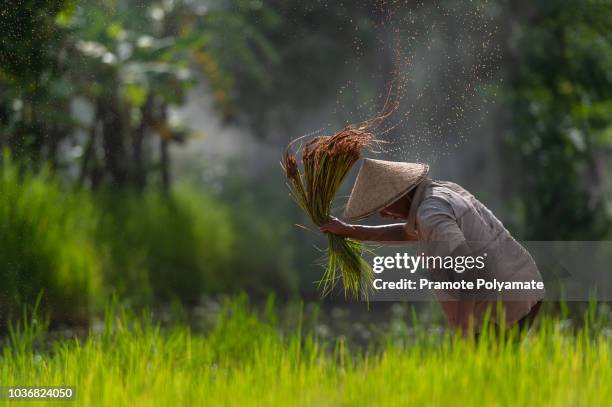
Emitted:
pixel 383 233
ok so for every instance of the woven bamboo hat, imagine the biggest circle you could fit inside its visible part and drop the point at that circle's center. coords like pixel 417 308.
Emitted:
pixel 381 183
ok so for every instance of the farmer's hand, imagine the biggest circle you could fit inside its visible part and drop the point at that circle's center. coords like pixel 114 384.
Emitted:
pixel 337 227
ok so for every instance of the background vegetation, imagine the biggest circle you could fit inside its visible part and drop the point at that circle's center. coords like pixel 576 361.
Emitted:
pixel 131 360
pixel 112 264
pixel 560 98
pixel 90 207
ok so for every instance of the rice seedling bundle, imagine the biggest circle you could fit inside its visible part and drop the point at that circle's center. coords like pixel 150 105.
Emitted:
pixel 326 160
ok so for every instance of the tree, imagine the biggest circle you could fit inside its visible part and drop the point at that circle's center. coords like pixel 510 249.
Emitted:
pixel 562 117
pixel 128 61
pixel 29 37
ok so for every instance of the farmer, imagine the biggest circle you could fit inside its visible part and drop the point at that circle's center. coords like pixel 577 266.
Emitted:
pixel 448 221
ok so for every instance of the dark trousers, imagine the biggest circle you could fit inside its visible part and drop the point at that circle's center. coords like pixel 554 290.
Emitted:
pixel 525 323
pixel 522 325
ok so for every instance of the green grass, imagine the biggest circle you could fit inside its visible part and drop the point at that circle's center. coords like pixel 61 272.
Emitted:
pixel 246 360
pixel 45 244
pixel 78 246
pixel 161 248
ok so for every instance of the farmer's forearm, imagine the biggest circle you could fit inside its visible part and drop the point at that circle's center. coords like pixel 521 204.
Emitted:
pixel 384 233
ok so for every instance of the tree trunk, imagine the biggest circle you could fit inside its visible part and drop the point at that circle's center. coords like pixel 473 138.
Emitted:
pixel 139 176
pixel 88 154
pixel 115 158
pixel 165 156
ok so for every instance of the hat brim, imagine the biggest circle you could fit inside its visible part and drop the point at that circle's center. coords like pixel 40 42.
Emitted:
pixel 377 207
pixel 389 203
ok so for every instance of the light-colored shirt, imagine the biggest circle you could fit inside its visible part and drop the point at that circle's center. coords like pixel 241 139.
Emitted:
pixel 444 215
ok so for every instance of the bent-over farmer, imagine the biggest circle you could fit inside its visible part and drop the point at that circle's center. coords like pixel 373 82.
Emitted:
pixel 448 221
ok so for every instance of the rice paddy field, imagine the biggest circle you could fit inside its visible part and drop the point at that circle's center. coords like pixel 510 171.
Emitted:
pixel 246 359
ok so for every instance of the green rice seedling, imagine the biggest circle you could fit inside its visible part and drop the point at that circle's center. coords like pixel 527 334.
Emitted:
pixel 248 361
pixel 46 244
pixel 326 160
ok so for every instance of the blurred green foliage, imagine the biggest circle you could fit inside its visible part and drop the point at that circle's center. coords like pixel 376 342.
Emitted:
pixel 266 255
pixel 164 249
pixel 78 246
pixel 86 91
pixel 129 61
pixel 28 36
pixel 561 100
pixel 46 245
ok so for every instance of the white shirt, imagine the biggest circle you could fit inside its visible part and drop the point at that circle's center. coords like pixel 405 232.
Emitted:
pixel 444 216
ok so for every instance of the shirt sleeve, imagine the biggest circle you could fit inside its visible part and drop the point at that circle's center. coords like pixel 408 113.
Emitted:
pixel 438 224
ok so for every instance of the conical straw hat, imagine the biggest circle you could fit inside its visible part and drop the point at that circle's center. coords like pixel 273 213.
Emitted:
pixel 381 183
